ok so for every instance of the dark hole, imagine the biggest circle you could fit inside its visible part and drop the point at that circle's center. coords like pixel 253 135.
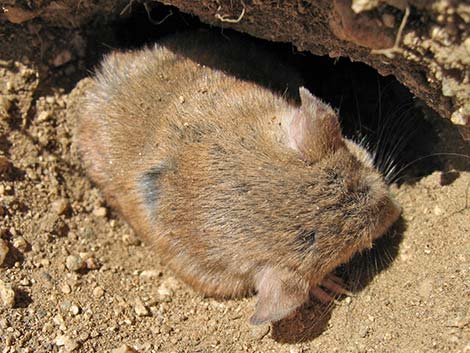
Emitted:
pixel 395 126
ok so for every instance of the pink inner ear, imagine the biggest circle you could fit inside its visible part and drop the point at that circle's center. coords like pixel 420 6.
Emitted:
pixel 280 292
pixel 314 130
pixel 297 131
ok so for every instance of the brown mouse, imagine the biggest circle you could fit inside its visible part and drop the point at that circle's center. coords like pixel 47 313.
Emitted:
pixel 239 188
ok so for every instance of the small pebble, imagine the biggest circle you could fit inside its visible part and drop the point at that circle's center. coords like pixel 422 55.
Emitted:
pixel 7 295
pixel 100 211
pixel 43 116
pixel 44 262
pixel 4 164
pixel 165 329
pixel 98 292
pixel 438 211
pixel 388 20
pixel 164 293
pixel 20 243
pixel 10 86
pixel 363 331
pixel 150 274
pixel 74 263
pixel 124 349
pixel 140 308
pixel 5 105
pixel 25 282
pixel 258 332
pixel 426 288
pixel 130 239
pixel 69 344
pixel 91 263
pixel 181 99
pixel 65 288
pixel 60 227
pixel 3 250
pixel 62 58
pixel 60 206
pixel 74 310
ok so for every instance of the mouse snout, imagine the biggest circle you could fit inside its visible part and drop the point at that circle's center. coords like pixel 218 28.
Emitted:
pixel 391 213
pixel 397 210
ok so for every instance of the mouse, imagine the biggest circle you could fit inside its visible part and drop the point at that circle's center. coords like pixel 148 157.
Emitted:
pixel 238 177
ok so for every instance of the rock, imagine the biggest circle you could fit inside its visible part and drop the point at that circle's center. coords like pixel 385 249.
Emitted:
pixel 60 206
pixel 62 58
pixel 25 282
pixel 258 332
pixel 124 349
pixel 438 211
pixel 7 295
pixel 5 105
pixel 91 263
pixel 69 344
pixel 140 308
pixel 426 288
pixel 74 310
pixel 4 164
pixel 164 294
pixel 65 288
pixel 388 20
pixel 60 228
pixel 3 250
pixel 20 243
pixel 150 274
pixel 100 211
pixel 74 263
pixel 98 292
pixel 43 116
pixel 130 239
pixel 17 15
pixel 359 6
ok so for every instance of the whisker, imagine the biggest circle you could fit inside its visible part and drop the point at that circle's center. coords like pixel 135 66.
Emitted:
pixel 448 154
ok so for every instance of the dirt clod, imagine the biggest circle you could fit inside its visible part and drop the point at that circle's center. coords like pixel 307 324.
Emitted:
pixel 7 295
pixel 140 308
pixel 4 164
pixel 100 212
pixel 259 332
pixel 124 349
pixel 74 263
pixel 60 206
pixel 3 250
pixel 69 344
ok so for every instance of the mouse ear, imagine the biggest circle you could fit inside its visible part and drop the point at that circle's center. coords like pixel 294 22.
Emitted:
pixel 314 130
pixel 280 292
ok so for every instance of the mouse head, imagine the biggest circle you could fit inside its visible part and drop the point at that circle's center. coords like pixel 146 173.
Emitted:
pixel 342 204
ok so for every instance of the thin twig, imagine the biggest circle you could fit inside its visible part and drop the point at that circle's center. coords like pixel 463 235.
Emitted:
pixel 225 18
pixel 127 7
pixel 147 9
pixel 390 52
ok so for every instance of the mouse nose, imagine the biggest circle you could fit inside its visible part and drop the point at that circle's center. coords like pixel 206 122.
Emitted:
pixel 397 210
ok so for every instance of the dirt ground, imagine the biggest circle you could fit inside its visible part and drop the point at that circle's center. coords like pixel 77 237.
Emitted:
pixel 74 278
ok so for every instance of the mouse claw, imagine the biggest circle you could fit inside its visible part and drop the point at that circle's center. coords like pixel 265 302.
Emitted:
pixel 321 295
pixel 336 279
pixel 335 285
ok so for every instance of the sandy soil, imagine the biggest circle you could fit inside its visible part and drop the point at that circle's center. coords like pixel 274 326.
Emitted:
pixel 74 278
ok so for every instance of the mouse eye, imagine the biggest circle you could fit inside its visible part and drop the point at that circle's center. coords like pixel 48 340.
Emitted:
pixel 333 176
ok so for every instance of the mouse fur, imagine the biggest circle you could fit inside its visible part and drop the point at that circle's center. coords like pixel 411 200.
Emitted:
pixel 239 186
